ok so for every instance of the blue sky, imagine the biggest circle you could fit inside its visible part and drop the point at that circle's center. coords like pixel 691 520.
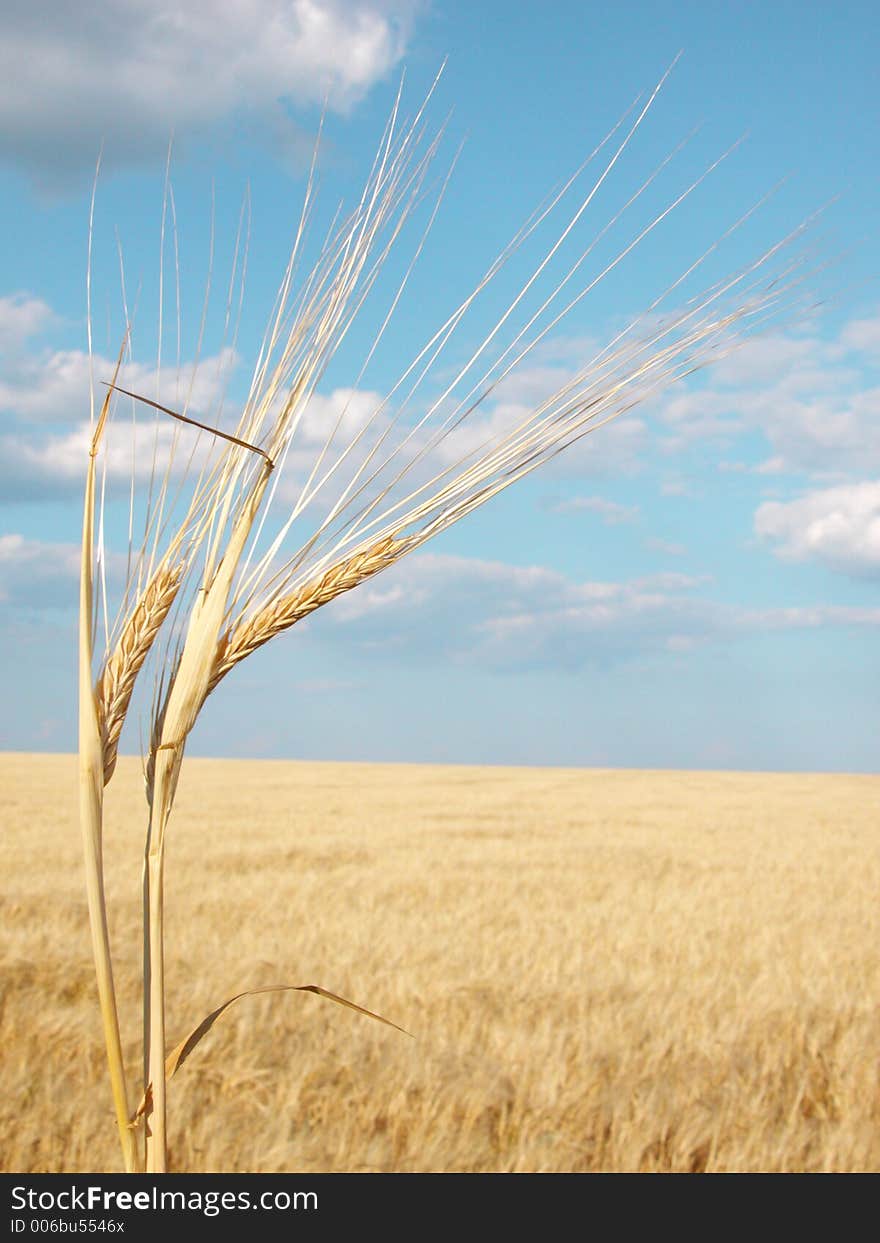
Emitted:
pixel 694 586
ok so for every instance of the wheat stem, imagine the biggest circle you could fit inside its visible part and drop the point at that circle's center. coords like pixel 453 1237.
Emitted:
pixel 390 498
pixel 156 1142
pixel 91 803
pixel 185 699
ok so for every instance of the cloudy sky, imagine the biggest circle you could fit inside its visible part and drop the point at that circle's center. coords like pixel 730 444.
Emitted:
pixel 694 586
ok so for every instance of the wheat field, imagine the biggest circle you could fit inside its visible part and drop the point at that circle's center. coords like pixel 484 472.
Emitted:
pixel 601 970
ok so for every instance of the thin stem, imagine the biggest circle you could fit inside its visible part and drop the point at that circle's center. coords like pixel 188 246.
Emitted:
pixel 146 985
pixel 186 694
pixel 91 810
pixel 91 801
pixel 157 1146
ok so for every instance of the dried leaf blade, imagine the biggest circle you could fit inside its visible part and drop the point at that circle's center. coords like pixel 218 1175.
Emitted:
pixel 181 1052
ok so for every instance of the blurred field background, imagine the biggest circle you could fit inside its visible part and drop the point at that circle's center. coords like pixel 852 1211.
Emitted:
pixel 603 970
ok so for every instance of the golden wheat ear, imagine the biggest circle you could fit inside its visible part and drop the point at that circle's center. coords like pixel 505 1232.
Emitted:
pixel 285 612
pixel 116 682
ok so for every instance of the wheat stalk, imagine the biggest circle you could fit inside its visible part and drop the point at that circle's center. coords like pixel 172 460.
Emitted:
pixel 241 594
pixel 91 803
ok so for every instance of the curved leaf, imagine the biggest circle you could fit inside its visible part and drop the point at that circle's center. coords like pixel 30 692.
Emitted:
pixel 181 1052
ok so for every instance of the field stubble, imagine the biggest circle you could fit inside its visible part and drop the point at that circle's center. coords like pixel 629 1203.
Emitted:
pixel 603 970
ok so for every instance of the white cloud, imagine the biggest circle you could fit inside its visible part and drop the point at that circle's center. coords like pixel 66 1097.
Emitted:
pixel 52 386
pixel 810 399
pixel 667 547
pixel 435 608
pixel 351 408
pixel 610 512
pixel 809 617
pixel 549 370
pixel 670 580
pixel 504 616
pixel 830 434
pixel 772 466
pixel 837 526
pixel 767 359
pixel 615 450
pixel 677 487
pixel 863 335
pixel 34 574
pixel 699 415
pixel 21 317
pixel 129 72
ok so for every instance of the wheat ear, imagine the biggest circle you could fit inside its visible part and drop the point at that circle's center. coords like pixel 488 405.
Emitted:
pixel 285 612
pixel 116 683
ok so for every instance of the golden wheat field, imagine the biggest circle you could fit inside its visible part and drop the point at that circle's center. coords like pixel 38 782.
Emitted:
pixel 602 970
